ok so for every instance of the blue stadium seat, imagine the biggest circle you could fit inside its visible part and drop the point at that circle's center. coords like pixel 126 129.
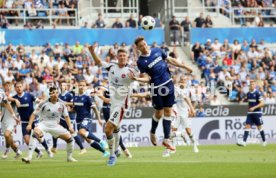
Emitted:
pixel 41 14
pixel 233 95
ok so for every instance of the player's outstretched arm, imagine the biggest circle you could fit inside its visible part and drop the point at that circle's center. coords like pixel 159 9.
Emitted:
pixel 140 95
pixel 145 78
pixel 31 120
pixel 95 109
pixel 96 58
pixel 188 101
pixel 176 63
pixel 9 108
pixel 68 122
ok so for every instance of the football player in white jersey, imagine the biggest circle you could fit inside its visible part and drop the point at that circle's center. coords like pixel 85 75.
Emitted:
pixel 50 112
pixel 183 109
pixel 120 91
pixel 8 121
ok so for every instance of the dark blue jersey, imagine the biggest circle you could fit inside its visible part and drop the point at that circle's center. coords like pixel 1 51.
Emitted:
pixel 254 98
pixel 155 66
pixel 82 106
pixel 66 97
pixel 26 106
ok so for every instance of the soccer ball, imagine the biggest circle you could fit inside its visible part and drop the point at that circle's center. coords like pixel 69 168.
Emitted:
pixel 148 23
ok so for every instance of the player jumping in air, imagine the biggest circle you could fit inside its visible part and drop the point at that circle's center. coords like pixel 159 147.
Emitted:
pixel 152 64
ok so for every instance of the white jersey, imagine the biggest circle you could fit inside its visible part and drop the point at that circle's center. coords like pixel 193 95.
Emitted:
pixel 120 85
pixel 3 96
pixel 49 112
pixel 181 105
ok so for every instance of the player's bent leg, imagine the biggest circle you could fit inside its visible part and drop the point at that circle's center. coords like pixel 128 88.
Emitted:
pixel 69 147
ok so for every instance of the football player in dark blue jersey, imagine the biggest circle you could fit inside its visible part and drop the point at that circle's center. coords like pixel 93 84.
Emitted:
pixel 67 97
pixel 25 110
pixel 153 66
pixel 254 114
pixel 83 104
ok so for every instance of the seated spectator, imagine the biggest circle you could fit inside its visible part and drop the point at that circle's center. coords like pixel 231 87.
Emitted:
pixel 85 25
pixel 200 112
pixel 62 12
pixel 3 21
pixel 131 22
pixel 117 24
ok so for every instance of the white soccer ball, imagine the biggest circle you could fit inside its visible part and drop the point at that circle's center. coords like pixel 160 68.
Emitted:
pixel 148 23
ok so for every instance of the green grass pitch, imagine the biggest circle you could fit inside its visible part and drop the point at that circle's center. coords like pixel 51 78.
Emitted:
pixel 219 161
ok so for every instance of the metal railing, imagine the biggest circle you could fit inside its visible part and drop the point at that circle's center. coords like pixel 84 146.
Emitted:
pixel 251 13
pixel 48 14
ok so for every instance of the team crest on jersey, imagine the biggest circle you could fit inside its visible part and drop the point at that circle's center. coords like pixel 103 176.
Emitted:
pixel 123 75
pixel 82 99
pixel 59 109
pixel 25 98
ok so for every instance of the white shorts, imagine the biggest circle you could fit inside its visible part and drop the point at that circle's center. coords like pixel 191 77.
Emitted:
pixel 183 120
pixel 116 115
pixel 54 129
pixel 8 125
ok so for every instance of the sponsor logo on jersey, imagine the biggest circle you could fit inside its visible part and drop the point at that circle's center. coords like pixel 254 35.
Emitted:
pixel 155 62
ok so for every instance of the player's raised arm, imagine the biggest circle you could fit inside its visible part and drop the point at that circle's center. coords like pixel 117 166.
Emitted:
pixel 96 58
pixel 176 63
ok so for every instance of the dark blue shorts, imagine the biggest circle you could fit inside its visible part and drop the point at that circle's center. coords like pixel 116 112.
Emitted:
pixel 254 119
pixel 24 126
pixel 163 96
pixel 86 124
pixel 63 123
pixel 106 114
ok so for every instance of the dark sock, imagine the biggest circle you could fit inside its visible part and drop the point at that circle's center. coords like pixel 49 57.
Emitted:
pixel 55 142
pixel 93 137
pixel 37 150
pixel 262 135
pixel 245 135
pixel 122 145
pixel 154 125
pixel 44 144
pixel 97 146
pixel 166 128
pixel 78 142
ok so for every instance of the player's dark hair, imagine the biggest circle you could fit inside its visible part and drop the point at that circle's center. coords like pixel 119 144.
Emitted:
pixel 138 39
pixel 18 83
pixel 121 51
pixel 53 88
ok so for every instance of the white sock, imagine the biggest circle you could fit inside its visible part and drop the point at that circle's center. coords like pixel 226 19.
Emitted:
pixel 32 145
pixel 69 149
pixel 117 139
pixel 111 145
pixel 191 136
